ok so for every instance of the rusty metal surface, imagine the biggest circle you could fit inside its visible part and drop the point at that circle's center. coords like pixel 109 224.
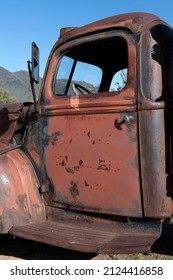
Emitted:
pixel 93 159
pixel 20 201
pixel 9 114
pixel 155 183
pixel 32 145
pixel 88 159
pixel 135 22
pixel 82 143
pixel 3 147
pixel 88 234
pixel 154 135
pixel 10 107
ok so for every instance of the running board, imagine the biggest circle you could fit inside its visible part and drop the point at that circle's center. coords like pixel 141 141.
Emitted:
pixel 92 234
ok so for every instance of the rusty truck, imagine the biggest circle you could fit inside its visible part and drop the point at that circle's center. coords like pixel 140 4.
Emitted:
pixel 87 165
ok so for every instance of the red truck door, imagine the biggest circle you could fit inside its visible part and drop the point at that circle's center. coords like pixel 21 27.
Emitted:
pixel 90 125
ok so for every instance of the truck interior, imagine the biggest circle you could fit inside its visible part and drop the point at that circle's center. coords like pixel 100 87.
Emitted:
pixel 93 68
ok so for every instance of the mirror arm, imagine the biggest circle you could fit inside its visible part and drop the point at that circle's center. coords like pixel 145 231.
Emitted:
pixel 32 86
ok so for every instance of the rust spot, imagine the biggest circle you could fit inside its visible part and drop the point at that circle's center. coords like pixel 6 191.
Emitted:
pixel 66 158
pixel 89 134
pixel 103 166
pixel 93 142
pixel 69 170
pixel 117 169
pixel 53 139
pixel 63 163
pixel 22 201
pixel 74 189
pixel 76 168
pixel 86 184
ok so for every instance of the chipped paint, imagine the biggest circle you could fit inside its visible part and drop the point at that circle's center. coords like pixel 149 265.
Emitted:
pixel 88 158
pixel 69 170
pixel 20 201
pixel 53 138
pixel 74 191
pixel 98 169
pixel 74 102
pixel 103 166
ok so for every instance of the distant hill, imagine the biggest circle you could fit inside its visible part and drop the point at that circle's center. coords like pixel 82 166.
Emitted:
pixel 18 84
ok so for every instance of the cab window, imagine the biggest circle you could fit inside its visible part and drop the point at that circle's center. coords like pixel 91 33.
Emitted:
pixel 96 67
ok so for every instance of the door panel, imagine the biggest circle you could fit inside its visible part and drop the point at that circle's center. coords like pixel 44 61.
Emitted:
pixel 93 165
pixel 90 152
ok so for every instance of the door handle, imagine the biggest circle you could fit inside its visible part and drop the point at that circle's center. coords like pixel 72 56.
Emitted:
pixel 126 118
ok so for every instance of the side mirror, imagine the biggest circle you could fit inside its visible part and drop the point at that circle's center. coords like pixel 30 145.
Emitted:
pixel 35 63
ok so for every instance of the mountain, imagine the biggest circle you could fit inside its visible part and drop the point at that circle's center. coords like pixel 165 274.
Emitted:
pixel 18 84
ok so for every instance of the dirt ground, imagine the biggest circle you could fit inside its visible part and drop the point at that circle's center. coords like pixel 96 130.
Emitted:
pixel 16 248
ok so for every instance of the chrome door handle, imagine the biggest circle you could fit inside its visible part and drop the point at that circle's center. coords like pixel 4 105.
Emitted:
pixel 126 118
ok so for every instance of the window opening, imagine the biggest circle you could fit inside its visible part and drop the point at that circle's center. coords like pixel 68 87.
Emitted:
pixel 119 80
pixel 96 67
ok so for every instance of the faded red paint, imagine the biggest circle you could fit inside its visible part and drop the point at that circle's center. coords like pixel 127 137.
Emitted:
pixel 20 201
pixel 94 160
pixel 87 157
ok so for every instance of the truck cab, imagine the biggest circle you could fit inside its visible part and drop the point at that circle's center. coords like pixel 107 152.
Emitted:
pixel 98 142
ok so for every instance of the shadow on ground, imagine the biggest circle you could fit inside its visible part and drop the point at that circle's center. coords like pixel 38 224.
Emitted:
pixel 18 248
pixel 164 245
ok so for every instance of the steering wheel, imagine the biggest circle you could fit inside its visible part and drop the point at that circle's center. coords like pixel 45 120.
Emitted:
pixel 80 88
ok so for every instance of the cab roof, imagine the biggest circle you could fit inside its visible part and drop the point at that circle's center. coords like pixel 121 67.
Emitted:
pixel 135 22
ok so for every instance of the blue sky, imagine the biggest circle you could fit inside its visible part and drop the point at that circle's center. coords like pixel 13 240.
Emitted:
pixel 24 21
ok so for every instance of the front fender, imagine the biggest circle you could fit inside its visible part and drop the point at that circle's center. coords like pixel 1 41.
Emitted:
pixel 20 200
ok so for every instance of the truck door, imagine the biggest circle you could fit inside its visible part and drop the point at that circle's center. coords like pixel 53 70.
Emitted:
pixel 90 131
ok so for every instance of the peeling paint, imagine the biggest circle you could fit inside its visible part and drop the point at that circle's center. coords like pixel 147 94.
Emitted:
pixel 20 200
pixel 74 161
pixel 76 168
pixel 69 170
pixel 53 138
pixel 74 190
pixel 74 102
pixel 63 163
pixel 103 165
pixel 80 162
pixel 86 184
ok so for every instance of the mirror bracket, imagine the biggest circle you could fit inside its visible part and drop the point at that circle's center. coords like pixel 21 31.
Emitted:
pixel 33 69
